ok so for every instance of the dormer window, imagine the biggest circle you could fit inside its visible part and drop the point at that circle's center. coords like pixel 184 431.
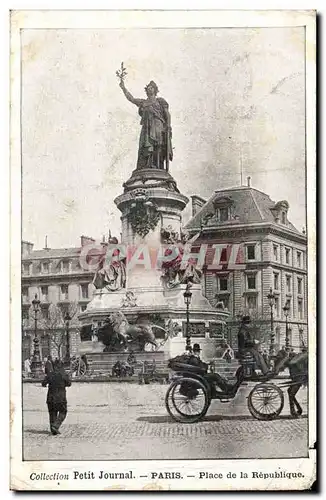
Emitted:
pixel 65 266
pixel 223 214
pixel 27 268
pixel 223 206
pixel 280 212
pixel 45 267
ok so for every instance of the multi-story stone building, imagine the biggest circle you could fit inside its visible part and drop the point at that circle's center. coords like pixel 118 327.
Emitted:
pixel 272 255
pixel 259 247
pixel 58 279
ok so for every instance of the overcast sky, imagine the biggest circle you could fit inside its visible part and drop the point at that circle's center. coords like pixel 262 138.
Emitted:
pixel 229 90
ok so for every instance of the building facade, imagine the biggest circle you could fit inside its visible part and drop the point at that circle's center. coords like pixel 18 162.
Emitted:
pixel 62 285
pixel 252 249
pixel 257 250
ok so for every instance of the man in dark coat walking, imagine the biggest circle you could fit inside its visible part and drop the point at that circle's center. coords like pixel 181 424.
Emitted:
pixel 57 380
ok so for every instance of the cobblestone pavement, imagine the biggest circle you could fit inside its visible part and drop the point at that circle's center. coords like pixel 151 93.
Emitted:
pixel 127 421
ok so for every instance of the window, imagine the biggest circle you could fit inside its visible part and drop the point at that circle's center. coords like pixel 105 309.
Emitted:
pixel 26 268
pixel 25 293
pixel 251 282
pixel 277 307
pixel 251 302
pixel 288 284
pixel 223 214
pixel 287 256
pixel 251 252
pixel 224 255
pixel 44 293
pixel 276 281
pixel 275 252
pixel 64 292
pixel 290 336
pixel 299 259
pixel 223 284
pixel 300 309
pixel 45 312
pixel 283 218
pixel 278 337
pixel 83 307
pixel 300 286
pixel 45 267
pixel 84 290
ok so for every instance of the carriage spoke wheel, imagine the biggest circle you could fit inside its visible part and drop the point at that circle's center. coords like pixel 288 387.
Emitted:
pixel 81 368
pixel 187 400
pixel 266 401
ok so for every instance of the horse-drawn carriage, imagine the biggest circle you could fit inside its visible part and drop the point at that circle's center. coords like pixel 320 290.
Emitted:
pixel 193 388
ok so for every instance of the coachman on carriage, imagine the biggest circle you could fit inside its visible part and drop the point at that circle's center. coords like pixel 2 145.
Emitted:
pixel 193 387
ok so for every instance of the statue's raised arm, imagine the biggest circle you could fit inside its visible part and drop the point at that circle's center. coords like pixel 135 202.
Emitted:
pixel 128 95
pixel 155 147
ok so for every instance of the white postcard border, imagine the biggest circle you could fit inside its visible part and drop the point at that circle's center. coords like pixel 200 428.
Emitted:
pixel 21 470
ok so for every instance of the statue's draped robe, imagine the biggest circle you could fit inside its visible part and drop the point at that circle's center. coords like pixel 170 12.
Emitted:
pixel 155 140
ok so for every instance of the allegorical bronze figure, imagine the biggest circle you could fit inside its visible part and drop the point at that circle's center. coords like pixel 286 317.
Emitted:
pixel 155 147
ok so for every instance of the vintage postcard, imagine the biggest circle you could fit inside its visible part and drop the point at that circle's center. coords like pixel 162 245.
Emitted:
pixel 163 314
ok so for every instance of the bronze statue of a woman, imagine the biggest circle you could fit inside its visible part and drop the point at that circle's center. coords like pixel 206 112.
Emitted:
pixel 155 147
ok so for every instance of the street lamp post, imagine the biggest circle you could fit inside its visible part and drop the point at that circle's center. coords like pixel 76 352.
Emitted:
pixel 36 366
pixel 187 298
pixel 271 299
pixel 286 310
pixel 67 320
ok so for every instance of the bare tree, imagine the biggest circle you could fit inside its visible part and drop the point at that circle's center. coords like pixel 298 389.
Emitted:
pixel 51 320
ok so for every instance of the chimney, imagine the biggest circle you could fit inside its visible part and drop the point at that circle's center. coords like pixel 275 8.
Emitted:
pixel 86 240
pixel 249 181
pixel 46 244
pixel 27 248
pixel 196 203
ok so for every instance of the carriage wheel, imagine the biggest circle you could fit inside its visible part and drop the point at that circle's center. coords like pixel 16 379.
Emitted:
pixel 74 367
pixel 81 368
pixel 266 401
pixel 187 400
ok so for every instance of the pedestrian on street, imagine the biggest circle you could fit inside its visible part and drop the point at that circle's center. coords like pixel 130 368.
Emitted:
pixel 56 400
pixel 48 368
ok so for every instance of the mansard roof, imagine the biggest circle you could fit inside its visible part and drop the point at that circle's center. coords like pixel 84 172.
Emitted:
pixel 249 206
pixel 53 253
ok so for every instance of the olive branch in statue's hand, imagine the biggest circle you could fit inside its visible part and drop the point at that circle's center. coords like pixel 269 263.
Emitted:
pixel 121 74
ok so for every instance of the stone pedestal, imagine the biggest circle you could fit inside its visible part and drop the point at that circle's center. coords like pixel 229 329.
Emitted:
pixel 151 202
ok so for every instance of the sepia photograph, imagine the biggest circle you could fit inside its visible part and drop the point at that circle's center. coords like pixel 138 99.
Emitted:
pixel 163 312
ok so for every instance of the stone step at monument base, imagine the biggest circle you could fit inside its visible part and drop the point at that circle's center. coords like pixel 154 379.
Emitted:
pixel 104 362
pixel 101 363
